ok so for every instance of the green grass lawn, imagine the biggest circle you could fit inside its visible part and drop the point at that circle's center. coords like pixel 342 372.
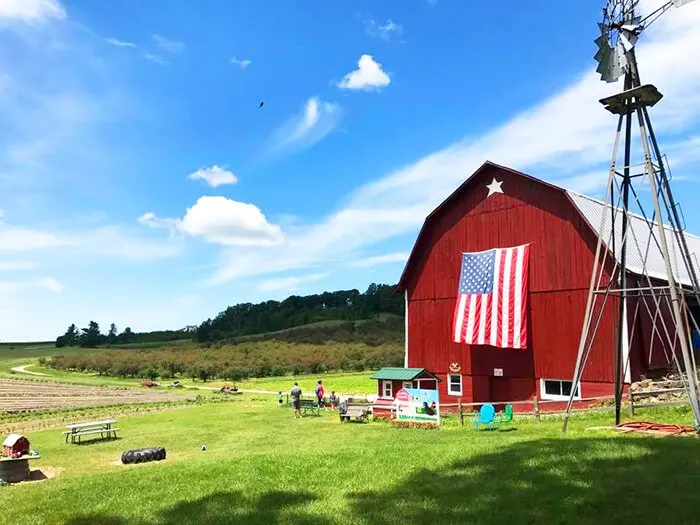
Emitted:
pixel 263 467
pixel 342 382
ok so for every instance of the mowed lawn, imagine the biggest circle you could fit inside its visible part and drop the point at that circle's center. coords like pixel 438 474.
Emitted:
pixel 263 467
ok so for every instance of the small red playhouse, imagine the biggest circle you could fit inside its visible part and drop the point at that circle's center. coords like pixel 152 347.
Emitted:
pixel 15 445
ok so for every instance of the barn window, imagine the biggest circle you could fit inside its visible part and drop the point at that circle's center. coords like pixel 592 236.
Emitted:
pixel 454 385
pixel 557 389
pixel 387 390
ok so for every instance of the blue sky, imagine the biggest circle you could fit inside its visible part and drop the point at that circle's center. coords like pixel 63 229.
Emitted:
pixel 140 182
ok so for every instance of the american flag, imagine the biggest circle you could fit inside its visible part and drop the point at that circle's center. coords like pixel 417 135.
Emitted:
pixel 492 298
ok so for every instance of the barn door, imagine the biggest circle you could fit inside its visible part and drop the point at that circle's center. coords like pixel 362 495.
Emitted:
pixel 499 390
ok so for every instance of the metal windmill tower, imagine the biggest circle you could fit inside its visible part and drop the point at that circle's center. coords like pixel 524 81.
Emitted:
pixel 661 236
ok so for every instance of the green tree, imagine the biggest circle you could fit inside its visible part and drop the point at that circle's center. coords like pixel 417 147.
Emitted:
pixel 112 334
pixel 91 336
pixel 70 338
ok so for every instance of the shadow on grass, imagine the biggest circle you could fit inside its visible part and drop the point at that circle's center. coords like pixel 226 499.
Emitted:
pixel 222 508
pixel 622 480
pixel 629 480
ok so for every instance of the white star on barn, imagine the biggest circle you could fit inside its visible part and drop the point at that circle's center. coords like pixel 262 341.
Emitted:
pixel 494 187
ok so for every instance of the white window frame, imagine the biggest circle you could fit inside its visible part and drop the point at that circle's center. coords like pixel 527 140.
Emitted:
pixel 450 391
pixel 558 397
pixel 407 384
pixel 391 389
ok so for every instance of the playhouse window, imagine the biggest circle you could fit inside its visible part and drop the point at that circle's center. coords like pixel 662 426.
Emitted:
pixel 557 389
pixel 387 390
pixel 454 385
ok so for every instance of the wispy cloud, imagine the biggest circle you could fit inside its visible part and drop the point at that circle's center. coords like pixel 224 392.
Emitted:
pixel 396 257
pixel 119 43
pixel 243 64
pixel 368 76
pixel 570 128
pixel 14 266
pixel 386 31
pixel 31 11
pixel 167 45
pixel 215 176
pixel 157 59
pixel 45 283
pixel 289 284
pixel 315 122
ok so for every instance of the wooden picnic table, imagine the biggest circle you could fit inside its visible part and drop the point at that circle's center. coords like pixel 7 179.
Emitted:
pixel 104 428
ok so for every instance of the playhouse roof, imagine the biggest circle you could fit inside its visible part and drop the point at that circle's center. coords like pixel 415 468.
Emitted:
pixel 401 374
pixel 11 440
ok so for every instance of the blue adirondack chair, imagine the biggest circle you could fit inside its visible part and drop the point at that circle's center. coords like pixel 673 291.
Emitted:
pixel 486 415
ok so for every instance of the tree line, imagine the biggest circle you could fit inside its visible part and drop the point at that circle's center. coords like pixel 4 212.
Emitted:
pixel 248 319
pixel 91 336
pixel 270 316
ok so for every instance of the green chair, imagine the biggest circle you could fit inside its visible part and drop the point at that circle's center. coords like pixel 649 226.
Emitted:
pixel 507 416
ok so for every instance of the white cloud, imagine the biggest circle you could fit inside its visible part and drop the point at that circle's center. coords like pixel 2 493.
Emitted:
pixel 13 266
pixel 221 221
pixel 369 75
pixel 315 122
pixel 109 241
pixel 568 129
pixel 45 283
pixel 397 257
pixel 241 63
pixel 119 43
pixel 385 31
pixel 214 176
pixel 32 10
pixel 169 46
pixel 156 59
pixel 50 284
pixel 289 284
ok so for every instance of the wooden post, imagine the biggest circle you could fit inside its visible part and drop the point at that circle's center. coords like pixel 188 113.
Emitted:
pixel 461 413
pixel 536 408
pixel 631 403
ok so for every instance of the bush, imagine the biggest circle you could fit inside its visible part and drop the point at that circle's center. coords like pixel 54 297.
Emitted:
pixel 413 424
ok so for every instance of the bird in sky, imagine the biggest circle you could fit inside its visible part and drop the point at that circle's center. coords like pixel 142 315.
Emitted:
pixel 262 103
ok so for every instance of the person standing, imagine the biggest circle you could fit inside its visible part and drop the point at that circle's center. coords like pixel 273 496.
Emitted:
pixel 319 393
pixel 296 399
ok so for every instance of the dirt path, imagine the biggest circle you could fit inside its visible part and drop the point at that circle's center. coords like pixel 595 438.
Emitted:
pixel 23 370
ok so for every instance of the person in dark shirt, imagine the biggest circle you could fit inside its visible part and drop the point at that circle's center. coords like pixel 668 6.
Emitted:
pixel 296 399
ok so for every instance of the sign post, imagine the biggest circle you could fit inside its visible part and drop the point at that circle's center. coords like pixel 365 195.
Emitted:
pixel 415 404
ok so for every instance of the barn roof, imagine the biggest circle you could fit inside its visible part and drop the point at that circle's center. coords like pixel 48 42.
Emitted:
pixel 400 374
pixel 11 440
pixel 592 212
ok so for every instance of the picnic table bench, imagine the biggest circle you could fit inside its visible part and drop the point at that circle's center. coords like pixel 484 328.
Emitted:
pixel 306 405
pixel 357 410
pixel 104 428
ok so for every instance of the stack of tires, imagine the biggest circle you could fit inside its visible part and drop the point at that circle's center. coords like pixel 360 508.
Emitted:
pixel 143 455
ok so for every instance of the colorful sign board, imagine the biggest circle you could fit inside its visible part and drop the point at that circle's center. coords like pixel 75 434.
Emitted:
pixel 418 405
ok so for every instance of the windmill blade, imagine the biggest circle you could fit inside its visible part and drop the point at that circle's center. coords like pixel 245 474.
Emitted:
pixel 680 3
pixel 628 40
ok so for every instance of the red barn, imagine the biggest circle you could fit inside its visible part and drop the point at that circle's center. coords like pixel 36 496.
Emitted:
pixel 498 207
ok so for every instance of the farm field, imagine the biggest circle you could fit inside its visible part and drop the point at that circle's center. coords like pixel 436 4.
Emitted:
pixel 261 467
pixel 18 396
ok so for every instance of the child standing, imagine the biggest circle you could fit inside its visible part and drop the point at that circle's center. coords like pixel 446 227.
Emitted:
pixel 333 400
pixel 279 398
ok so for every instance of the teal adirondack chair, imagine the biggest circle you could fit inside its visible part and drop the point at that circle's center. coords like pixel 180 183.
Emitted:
pixel 486 415
pixel 507 416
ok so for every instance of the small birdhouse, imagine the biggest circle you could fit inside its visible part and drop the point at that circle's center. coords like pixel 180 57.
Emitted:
pixel 15 445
